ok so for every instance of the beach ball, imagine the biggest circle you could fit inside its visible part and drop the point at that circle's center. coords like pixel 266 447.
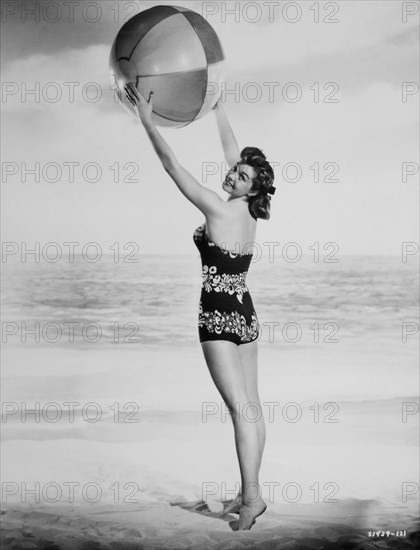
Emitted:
pixel 174 52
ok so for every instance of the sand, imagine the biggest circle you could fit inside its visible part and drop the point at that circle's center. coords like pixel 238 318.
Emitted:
pixel 181 524
pixel 162 481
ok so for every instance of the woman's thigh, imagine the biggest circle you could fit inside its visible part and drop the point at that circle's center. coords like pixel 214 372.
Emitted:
pixel 225 367
pixel 248 354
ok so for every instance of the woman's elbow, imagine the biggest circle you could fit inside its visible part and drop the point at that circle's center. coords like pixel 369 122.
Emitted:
pixel 169 165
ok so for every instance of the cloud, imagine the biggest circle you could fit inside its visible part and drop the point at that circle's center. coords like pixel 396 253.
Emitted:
pixel 47 82
pixel 277 42
pixel 368 133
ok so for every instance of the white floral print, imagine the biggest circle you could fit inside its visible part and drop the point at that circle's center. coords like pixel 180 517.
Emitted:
pixel 225 282
pixel 233 323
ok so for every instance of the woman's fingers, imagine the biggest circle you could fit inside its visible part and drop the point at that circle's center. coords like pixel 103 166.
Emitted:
pixel 130 99
pixel 134 90
pixel 135 95
pixel 130 94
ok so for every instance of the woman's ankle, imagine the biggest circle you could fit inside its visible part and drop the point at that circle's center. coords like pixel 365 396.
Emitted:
pixel 252 494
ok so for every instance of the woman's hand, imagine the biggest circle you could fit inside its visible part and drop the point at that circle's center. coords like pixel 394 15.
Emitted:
pixel 218 105
pixel 143 107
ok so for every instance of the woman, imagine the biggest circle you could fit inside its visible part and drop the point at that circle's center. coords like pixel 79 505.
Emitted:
pixel 228 324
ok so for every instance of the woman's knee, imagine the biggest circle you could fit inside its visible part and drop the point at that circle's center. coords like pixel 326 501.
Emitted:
pixel 236 401
pixel 245 409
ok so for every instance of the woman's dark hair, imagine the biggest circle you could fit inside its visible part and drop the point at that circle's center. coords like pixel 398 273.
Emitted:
pixel 259 204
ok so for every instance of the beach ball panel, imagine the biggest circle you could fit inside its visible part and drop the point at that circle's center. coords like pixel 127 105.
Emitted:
pixel 133 31
pixel 171 46
pixel 177 96
pixel 168 123
pixel 215 76
pixel 207 35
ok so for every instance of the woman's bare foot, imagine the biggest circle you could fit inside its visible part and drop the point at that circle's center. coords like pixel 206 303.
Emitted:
pixel 249 512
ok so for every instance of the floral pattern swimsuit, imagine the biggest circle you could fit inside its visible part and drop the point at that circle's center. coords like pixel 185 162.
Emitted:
pixel 226 311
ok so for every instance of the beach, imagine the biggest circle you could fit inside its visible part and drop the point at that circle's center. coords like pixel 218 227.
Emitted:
pixel 144 456
pixel 114 438
pixel 192 525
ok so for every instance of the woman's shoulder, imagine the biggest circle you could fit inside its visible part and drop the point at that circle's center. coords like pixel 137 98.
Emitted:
pixel 232 229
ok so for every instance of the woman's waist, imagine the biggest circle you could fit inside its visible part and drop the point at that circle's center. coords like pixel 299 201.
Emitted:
pixel 225 294
pixel 217 272
pixel 222 281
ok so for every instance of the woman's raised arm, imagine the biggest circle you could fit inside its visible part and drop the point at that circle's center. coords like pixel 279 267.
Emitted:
pixel 204 199
pixel 227 137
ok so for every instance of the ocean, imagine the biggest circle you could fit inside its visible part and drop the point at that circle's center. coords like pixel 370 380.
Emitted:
pixel 373 300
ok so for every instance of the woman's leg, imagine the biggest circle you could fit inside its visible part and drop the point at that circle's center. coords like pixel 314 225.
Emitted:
pixel 224 363
pixel 248 354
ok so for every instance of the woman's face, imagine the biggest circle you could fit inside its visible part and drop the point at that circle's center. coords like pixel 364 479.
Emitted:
pixel 238 181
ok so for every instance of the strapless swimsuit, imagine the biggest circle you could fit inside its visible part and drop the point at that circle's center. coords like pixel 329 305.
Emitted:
pixel 226 311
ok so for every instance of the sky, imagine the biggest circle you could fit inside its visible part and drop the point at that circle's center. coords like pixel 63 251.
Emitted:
pixel 73 122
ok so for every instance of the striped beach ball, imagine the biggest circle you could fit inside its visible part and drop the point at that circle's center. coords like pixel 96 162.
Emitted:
pixel 174 52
